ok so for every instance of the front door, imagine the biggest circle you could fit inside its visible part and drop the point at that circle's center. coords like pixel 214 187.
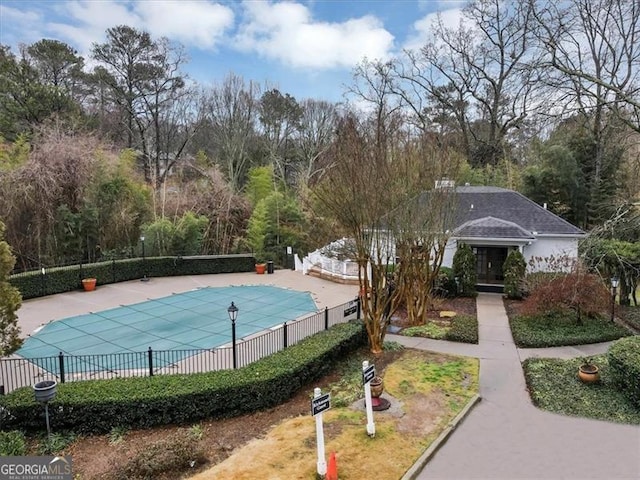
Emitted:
pixel 489 261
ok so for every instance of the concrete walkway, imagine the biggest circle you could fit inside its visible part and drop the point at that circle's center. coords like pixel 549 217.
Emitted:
pixel 506 437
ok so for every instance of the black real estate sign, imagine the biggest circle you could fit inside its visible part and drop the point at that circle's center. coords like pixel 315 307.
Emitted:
pixel 320 404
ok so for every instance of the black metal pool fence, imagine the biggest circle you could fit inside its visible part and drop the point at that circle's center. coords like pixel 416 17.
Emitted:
pixel 18 372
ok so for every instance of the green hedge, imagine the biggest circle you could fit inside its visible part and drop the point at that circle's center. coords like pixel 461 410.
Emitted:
pixel 97 406
pixel 65 279
pixel 624 363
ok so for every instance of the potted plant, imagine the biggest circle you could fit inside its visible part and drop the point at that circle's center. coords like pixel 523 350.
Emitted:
pixel 261 263
pixel 588 372
pixel 89 284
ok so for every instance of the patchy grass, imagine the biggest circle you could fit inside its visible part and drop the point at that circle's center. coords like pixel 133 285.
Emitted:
pixel 461 328
pixel 552 331
pixel 554 386
pixel 432 389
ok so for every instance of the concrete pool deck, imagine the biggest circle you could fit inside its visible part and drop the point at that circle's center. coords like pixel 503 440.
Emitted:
pixel 40 311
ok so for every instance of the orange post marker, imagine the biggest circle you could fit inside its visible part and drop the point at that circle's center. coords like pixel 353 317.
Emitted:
pixel 332 468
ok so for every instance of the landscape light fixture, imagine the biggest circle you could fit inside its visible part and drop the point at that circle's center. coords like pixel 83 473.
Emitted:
pixel 614 288
pixel 233 315
pixel 144 262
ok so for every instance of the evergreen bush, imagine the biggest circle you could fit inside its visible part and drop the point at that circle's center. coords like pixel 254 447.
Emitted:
pixel 624 367
pixel 514 270
pixel 464 270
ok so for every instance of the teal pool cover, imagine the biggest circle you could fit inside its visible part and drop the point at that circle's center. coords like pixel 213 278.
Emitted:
pixel 193 320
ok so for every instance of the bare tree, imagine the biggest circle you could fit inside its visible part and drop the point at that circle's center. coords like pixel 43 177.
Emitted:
pixel 356 191
pixel 144 79
pixel 481 74
pixel 231 111
pixel 421 225
pixel 594 45
pixel 594 63
pixel 317 132
pixel 58 172
pixel 279 120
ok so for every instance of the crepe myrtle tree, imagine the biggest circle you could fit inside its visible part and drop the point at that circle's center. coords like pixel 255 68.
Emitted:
pixel 375 173
pixel 355 193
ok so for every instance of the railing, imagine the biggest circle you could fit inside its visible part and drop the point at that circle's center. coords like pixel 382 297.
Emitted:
pixel 18 372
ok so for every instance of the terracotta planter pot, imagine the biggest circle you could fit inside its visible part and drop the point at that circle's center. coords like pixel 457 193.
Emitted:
pixel 589 373
pixel 89 284
pixel 260 268
pixel 377 387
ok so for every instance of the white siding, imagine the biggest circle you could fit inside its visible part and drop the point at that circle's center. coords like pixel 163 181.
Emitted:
pixel 449 252
pixel 545 247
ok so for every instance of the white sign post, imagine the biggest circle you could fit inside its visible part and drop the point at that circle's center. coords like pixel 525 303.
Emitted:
pixel 319 404
pixel 368 372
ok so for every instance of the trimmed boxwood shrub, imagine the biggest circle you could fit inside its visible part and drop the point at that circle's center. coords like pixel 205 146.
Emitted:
pixel 464 269
pixel 65 279
pixel 97 406
pixel 624 366
pixel 514 270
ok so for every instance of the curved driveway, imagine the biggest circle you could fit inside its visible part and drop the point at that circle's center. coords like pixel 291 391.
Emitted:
pixel 505 436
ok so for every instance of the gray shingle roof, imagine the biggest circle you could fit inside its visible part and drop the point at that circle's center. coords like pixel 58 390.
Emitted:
pixel 475 203
pixel 490 227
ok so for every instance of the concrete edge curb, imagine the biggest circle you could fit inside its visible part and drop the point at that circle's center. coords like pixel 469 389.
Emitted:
pixel 417 467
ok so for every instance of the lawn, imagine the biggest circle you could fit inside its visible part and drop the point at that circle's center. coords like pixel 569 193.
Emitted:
pixel 429 390
pixel 554 386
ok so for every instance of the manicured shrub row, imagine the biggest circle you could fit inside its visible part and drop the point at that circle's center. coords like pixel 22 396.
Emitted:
pixel 553 330
pixel 65 279
pixel 624 364
pixel 464 328
pixel 141 402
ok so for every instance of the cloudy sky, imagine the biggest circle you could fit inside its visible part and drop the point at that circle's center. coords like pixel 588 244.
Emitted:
pixel 305 48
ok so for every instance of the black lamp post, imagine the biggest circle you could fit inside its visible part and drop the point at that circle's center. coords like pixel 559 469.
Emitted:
pixel 233 314
pixel 614 288
pixel 144 262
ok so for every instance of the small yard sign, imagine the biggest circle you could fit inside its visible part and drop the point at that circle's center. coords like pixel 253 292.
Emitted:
pixel 351 308
pixel 368 373
pixel 320 404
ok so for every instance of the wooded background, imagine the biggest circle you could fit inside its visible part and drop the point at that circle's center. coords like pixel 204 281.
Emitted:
pixel 539 97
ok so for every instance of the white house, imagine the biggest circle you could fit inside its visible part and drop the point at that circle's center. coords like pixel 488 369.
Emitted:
pixel 495 220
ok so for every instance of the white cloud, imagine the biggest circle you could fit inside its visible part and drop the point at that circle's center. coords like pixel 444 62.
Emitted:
pixel 194 23
pixel 421 29
pixel 199 24
pixel 287 33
